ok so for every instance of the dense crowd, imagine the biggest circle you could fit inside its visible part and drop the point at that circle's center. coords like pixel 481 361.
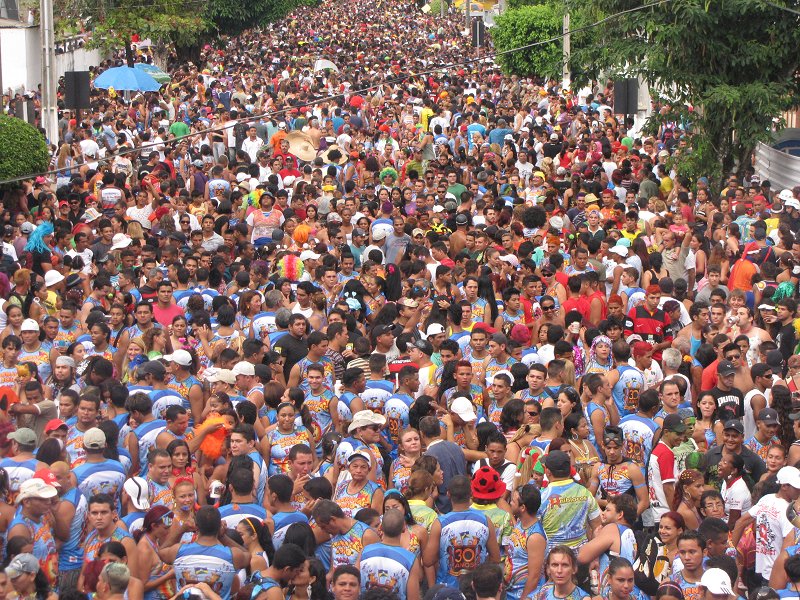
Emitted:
pixel 390 330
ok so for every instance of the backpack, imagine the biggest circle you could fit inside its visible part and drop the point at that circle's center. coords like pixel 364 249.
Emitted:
pixel 651 566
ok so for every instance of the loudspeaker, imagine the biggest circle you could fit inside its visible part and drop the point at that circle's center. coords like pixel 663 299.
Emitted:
pixel 478 32
pixel 77 89
pixel 626 96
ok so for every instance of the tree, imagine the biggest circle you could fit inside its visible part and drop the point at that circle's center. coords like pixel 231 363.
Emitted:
pixel 735 63
pixel 24 149
pixel 232 16
pixel 521 26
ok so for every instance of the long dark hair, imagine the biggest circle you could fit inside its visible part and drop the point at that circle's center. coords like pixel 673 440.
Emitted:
pixel 319 589
pixel 262 535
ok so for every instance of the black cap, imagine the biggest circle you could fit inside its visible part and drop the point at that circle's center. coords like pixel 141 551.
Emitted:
pixel 462 219
pixel 423 346
pixel 674 423
pixel 558 462
pixel 725 367
pixel 152 367
pixel 774 359
pixel 735 425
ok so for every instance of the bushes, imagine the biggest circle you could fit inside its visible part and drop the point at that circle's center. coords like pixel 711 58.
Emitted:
pixel 23 149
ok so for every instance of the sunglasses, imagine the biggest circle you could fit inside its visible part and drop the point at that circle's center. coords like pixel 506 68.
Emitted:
pixel 547 274
pixel 548 308
pixel 374 427
pixel 533 413
pixel 733 356
pixel 184 222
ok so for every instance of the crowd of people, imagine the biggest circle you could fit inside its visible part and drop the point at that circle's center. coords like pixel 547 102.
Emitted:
pixel 388 330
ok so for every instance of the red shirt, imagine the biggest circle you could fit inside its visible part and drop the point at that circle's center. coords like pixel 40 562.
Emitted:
pixel 165 315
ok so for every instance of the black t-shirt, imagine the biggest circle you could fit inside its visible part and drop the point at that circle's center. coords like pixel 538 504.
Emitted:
pixel 732 399
pixel 291 348
pixel 38 259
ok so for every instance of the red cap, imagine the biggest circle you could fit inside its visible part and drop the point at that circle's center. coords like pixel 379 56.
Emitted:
pixel 54 424
pixel 653 289
pixel 485 328
pixel 47 476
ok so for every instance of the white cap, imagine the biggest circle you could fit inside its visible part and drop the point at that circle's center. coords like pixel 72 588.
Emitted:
pixel 434 329
pixel 138 491
pixel 243 368
pixel 789 476
pixel 364 418
pixel 119 241
pixel 716 581
pixel 308 254
pixel 557 222
pixel 463 408
pixel 793 203
pixel 360 453
pixel 181 357
pixel 619 250
pixel 786 195
pixel 52 277
pixel 29 325
pixel 36 488
pixel 510 259
pixel 225 375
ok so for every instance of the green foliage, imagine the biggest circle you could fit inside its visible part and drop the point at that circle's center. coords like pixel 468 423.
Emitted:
pixel 522 26
pixel 24 148
pixel 232 16
pixel 436 6
pixel 696 52
pixel 521 3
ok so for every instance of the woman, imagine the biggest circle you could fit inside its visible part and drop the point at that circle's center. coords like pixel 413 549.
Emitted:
pixel 568 401
pixel 512 418
pixel 686 500
pixel 359 492
pixel 114 552
pixel 312 220
pixel 15 317
pixel 707 429
pixel 280 440
pixel 410 449
pixel 421 487
pixel 136 348
pixel 375 297
pixel 226 335
pixel 669 528
pixel 656 271
pixel 699 245
pixel 179 337
pixel 600 359
pixel 262 222
pixel 178 451
pixel 562 566
pixel 576 430
pixel 249 307
pixel 309 583
pixel 40 246
pixel 621 581
pixel 257 541
pixel 28 579
pixel 158 577
pixel 155 342
pixel 415 537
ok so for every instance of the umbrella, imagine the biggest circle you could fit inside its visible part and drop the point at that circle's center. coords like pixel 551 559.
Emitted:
pixel 154 72
pixel 323 64
pixel 127 78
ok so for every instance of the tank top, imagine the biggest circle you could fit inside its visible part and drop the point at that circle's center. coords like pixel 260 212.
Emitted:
pixel 165 590
pixel 160 494
pixel 210 564
pixel 462 544
pixel 44 544
pixel 515 548
pixel 351 503
pixel 627 549
pixel 40 357
pixel 614 479
pixel 280 444
pixel 345 547
pixel 386 567
pixel 18 473
pixel 70 556
pixel 282 522
pixel 319 406
pixel 235 512
pixel 146 435
pixel 94 542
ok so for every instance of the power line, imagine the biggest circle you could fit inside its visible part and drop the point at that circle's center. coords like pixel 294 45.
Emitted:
pixel 329 98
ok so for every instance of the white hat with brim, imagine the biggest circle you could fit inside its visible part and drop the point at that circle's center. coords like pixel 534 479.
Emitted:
pixel 224 375
pixel 53 277
pixel 789 476
pixel 464 409
pixel 365 418
pixel 138 491
pixel 36 488
pixel 120 241
pixel 716 581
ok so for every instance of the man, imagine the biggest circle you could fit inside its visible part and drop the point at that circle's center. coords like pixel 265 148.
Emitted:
pixel 388 565
pixel 68 523
pixel 755 335
pixel 640 429
pixel 461 539
pixel 346 583
pixel 34 505
pixel 691 548
pixel 104 527
pixel 280 502
pixel 771 524
pixel 650 322
pixel 321 401
pixel 317 348
pixel 716 584
pixel 568 511
pixel 449 455
pixel 733 443
pixel 725 394
pixel 786 339
pixel 98 474
pixel 293 346
pixel 88 409
pixel 396 242
pixel 348 536
pixel 626 382
pixel 243 500
pixel 165 309
pixel 113 582
pixel 498 360
pixel 142 439
pixel 765 435
pixel 301 465
pixel 661 475
pixel 420 352
pixel 212 557
pixel 22 463
pixel 243 443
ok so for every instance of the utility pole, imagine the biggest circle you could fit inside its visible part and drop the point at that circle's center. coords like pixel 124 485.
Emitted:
pixel 469 16
pixel 565 75
pixel 441 8
pixel 49 115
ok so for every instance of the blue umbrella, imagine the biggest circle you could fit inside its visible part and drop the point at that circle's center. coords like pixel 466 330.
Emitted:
pixel 154 72
pixel 127 78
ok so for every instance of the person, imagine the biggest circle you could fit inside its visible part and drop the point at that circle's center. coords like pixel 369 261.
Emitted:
pixel 104 527
pixel 525 547
pixel 69 518
pixel 211 558
pixel 280 489
pixel 562 566
pixel 348 536
pixel 34 503
pixel 387 565
pixel 27 579
pixel 158 577
pixel 772 525
pixel 717 584
pixel 616 475
pixel 346 582
pixel 22 463
pixel 289 562
pixel 579 512
pixel 462 538
pixel 734 491
pixel 733 443
pixel 661 474
pixel 691 547
pixel 449 456
pixel 98 474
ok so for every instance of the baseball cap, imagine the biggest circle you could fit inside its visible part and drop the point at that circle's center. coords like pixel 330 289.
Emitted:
pixel 735 425
pixel 619 251
pixel 357 454
pixel 408 303
pixel 138 491
pixel 768 416
pixel 774 358
pixel 789 476
pixel 716 581
pixel 434 329
pixel 94 439
pixel 152 367
pixel 487 329
pixel 29 325
pixel 725 367
pixel 23 436
pixel 225 375
pixel 674 423
pixel 21 564
pixel 198 163
pixel 793 203
pixel 308 254
pixel 463 408
pixel 557 461
pixel 36 488
pixel 54 424
pixel 27 228
pixel 423 346
pixel 378 234
pixel 382 330
pixel 461 219
pixel 181 357
pixel 47 476
pixel 243 368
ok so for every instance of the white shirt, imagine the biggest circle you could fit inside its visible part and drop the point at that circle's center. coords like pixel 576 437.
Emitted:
pixel 771 527
pixel 252 147
pixel 736 497
pixel 86 256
